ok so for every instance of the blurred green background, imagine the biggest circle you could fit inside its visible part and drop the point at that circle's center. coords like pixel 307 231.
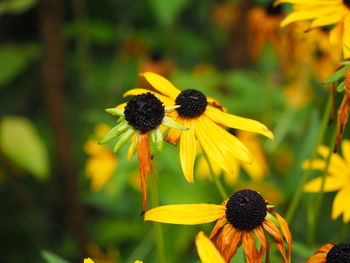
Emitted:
pixel 63 62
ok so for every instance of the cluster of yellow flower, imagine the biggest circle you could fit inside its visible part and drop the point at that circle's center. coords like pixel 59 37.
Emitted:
pixel 197 123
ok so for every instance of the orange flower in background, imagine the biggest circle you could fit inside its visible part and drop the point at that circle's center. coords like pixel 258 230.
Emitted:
pixel 323 13
pixel 102 163
pixel 263 23
pixel 205 122
pixel 241 218
pixel 331 253
pixel 141 119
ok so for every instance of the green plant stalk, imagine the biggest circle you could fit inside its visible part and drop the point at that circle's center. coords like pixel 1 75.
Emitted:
pixel 297 196
pixel 158 230
pixel 342 232
pixel 319 199
pixel 218 183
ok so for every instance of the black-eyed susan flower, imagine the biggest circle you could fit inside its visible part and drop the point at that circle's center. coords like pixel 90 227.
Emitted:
pixel 263 23
pixel 323 13
pixel 140 119
pixel 337 179
pixel 331 253
pixel 241 218
pixel 205 122
pixel 206 250
pixel 101 162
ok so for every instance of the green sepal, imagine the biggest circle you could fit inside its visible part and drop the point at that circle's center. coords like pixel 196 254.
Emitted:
pixel 270 206
pixel 158 139
pixel 115 111
pixel 341 86
pixel 272 218
pixel 114 132
pixel 123 139
pixel 172 107
pixel 169 122
pixel 336 76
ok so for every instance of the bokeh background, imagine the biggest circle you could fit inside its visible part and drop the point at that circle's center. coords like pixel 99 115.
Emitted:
pixel 63 62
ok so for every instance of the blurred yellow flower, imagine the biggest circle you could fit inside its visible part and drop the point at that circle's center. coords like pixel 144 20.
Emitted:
pixel 257 170
pixel 337 179
pixel 101 162
pixel 203 118
pixel 323 13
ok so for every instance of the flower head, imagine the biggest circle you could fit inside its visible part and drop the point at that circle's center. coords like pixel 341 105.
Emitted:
pixel 331 253
pixel 205 120
pixel 241 218
pixel 139 119
pixel 323 13
pixel 337 179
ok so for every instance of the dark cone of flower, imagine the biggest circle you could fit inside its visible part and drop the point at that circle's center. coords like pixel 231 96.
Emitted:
pixel 246 209
pixel 273 10
pixel 144 112
pixel 193 103
pixel 339 254
pixel 347 3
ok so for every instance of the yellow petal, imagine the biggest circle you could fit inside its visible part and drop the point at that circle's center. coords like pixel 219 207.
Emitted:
pixel 330 19
pixel 346 150
pixel 336 33
pixel 133 92
pixel 138 261
pixel 121 106
pixel 188 150
pixel 237 122
pixel 336 161
pixel 161 84
pixel 331 184
pixel 346 36
pixel 88 260
pixel 207 251
pixel 341 203
pixel 192 214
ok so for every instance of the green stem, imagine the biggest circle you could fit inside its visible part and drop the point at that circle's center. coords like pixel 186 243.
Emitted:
pixel 342 233
pixel 319 199
pixel 218 183
pixel 157 226
pixel 297 196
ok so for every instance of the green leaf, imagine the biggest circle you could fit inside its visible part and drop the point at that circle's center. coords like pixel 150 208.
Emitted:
pixel 340 87
pixel 16 6
pixel 167 11
pixel 22 144
pixel 52 258
pixel 336 76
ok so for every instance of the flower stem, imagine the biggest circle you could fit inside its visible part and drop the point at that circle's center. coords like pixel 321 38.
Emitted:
pixel 297 196
pixel 319 198
pixel 216 179
pixel 159 238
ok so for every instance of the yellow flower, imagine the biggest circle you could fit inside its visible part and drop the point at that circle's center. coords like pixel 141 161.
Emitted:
pixel 331 253
pixel 207 251
pixel 241 218
pixel 323 13
pixel 337 179
pixel 102 163
pixel 203 118
pixel 256 170
pixel 139 119
pixel 89 260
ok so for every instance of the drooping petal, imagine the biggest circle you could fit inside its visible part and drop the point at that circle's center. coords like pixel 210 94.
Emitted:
pixel 161 84
pixel 249 247
pixel 273 230
pixel 286 233
pixel 144 157
pixel 191 214
pixel 219 224
pixel 260 234
pixel 207 251
pixel 346 36
pixel 228 241
pixel 188 150
pixel 237 122
pixel 132 147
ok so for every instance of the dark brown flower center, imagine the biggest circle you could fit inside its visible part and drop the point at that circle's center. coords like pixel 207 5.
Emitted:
pixel 144 112
pixel 193 103
pixel 347 3
pixel 339 254
pixel 273 10
pixel 246 209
